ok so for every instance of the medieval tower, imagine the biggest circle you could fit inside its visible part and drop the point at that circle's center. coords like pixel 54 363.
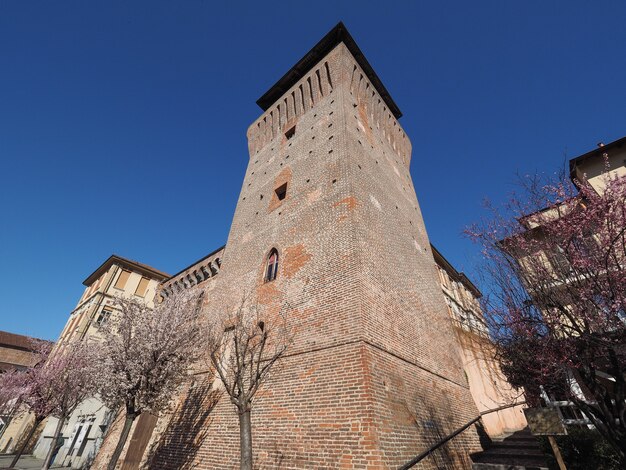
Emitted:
pixel 373 376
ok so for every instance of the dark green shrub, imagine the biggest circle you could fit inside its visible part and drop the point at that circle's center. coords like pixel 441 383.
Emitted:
pixel 583 449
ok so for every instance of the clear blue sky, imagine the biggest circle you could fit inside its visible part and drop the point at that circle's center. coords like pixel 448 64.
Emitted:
pixel 122 124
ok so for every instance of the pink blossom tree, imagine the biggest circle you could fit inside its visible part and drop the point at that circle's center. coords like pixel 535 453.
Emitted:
pixel 68 372
pixel 55 386
pixel 555 259
pixel 145 356
pixel 27 391
pixel 10 391
pixel 13 390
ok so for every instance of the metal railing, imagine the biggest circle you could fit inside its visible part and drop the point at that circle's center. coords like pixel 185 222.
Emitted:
pixel 570 414
pixel 452 435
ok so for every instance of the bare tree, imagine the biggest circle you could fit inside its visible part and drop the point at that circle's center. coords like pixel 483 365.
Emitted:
pixel 244 346
pixel 146 355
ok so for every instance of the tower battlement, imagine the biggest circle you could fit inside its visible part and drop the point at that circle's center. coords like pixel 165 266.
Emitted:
pixel 334 64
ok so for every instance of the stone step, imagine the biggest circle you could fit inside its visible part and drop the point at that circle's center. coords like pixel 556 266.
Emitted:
pixel 511 462
pixel 520 438
pixel 514 445
pixel 519 451
pixel 510 454
pixel 499 466
pixel 514 452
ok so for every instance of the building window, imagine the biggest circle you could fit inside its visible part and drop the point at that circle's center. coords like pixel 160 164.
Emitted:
pixel 122 279
pixel 272 266
pixel 103 317
pixel 281 192
pixel 142 287
pixel 78 427
pixel 85 438
pixel 560 262
pixel 290 133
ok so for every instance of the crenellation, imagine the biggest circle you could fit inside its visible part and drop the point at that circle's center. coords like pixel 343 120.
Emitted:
pixel 374 108
pixel 194 275
pixel 296 101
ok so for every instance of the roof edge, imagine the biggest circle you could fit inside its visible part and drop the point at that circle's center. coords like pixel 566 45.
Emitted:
pixel 19 341
pixel 585 156
pixel 334 37
pixel 133 265
pixel 459 276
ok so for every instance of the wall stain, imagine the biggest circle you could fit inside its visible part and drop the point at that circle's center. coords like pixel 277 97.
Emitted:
pixel 295 258
pixel 350 202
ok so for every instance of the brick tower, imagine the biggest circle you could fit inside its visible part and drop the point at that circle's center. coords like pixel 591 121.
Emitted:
pixel 374 374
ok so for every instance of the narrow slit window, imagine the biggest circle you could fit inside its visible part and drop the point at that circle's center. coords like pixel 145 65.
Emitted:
pixel 290 133
pixel 281 192
pixel 272 266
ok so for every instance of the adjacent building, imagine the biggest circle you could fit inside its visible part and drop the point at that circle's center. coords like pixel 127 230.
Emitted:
pixel 593 165
pixel 488 385
pixel 17 352
pixel 116 277
pixel 572 279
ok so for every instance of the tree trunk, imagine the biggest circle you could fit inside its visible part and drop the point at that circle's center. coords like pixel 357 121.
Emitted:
pixel 23 446
pixel 128 423
pixel 53 444
pixel 245 440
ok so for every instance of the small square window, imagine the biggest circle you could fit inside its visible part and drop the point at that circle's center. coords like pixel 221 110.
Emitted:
pixel 281 192
pixel 290 133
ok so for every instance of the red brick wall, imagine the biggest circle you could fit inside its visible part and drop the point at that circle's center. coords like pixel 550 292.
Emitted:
pixel 348 406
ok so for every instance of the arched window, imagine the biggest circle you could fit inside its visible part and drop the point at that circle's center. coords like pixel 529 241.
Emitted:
pixel 272 266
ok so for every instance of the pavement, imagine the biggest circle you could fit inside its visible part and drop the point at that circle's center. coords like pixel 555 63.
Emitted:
pixel 26 462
